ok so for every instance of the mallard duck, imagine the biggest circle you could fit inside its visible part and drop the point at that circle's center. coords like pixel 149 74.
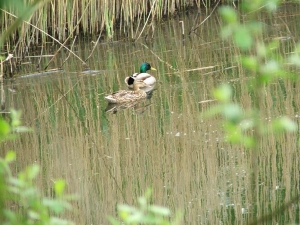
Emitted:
pixel 124 96
pixel 148 79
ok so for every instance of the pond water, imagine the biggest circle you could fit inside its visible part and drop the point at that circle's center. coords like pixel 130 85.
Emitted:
pixel 164 143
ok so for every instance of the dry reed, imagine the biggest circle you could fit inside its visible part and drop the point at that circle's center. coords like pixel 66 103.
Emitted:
pixel 61 19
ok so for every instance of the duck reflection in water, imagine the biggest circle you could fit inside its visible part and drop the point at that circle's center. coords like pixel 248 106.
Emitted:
pixel 138 106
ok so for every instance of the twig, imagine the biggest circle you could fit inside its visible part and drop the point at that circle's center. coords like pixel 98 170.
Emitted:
pixel 168 64
pixel 193 29
pixel 8 58
pixel 96 43
pixel 71 32
pixel 40 59
pixel 182 28
pixel 69 53
pixel 147 19
pixel 200 68
pixel 1 72
pixel 206 101
pixel 268 217
pixel 63 96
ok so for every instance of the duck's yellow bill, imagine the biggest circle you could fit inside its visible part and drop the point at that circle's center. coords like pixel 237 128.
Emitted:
pixel 152 68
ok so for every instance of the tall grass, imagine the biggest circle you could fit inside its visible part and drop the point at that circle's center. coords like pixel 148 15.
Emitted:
pixel 62 18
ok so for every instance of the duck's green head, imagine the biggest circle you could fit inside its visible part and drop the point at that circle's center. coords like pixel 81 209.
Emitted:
pixel 145 67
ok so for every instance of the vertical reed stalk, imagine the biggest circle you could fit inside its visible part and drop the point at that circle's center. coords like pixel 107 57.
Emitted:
pixel 59 18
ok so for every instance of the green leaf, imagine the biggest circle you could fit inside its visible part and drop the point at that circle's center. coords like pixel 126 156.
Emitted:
pixel 243 38
pixel 18 183
pixel 59 221
pixel 22 129
pixel 10 156
pixel 15 118
pixel 248 142
pixel 142 201
pixel 255 27
pixel 59 187
pixel 228 14
pixel 261 50
pixel 4 128
pixel 223 93
pixel 233 113
pixel 159 210
pixel 284 124
pixel 247 124
pixel 33 215
pixel 32 171
pixel 113 221
pixel 271 68
pixel 137 217
pixel 250 62
pixel 57 206
pixel 126 208
pixel 227 31
pixel 272 5
pixel 294 59
pixel 273 46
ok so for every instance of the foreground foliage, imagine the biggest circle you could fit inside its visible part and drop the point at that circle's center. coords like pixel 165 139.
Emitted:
pixel 20 200
pixel 145 213
pixel 259 58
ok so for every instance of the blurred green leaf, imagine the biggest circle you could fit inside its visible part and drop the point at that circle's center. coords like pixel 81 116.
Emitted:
pixel 33 215
pixel 269 71
pixel 126 208
pixel 142 201
pixel 228 14
pixel 227 31
pixel 284 124
pixel 272 46
pixel 248 141
pixel 22 129
pixel 233 134
pixel 255 27
pixel 294 59
pixel 4 128
pixel 15 118
pixel 10 156
pixel 113 221
pixel 59 187
pixel 135 218
pixel 250 62
pixel 261 50
pixel 17 183
pixel 243 38
pixel 159 210
pixel 271 5
pixel 57 206
pixel 223 93
pixel 233 113
pixel 247 124
pixel 58 221
pixel 32 171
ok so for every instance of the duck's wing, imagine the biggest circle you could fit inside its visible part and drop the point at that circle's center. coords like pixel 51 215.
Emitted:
pixel 115 97
pixel 125 96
